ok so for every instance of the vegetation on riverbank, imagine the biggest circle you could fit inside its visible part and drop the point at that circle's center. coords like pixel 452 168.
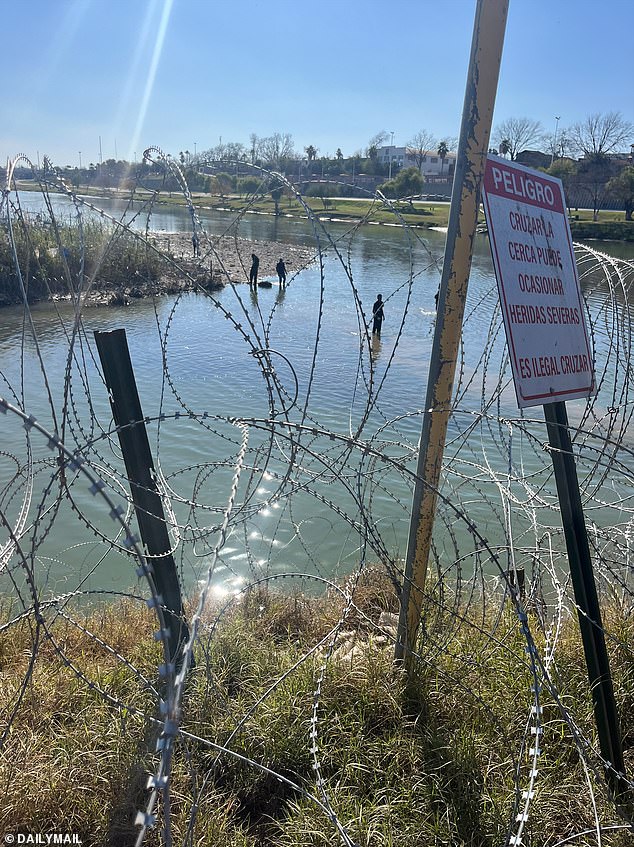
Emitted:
pixel 415 213
pixel 62 259
pixel 609 226
pixel 436 765
pixel 53 259
pixel 103 264
pixel 603 230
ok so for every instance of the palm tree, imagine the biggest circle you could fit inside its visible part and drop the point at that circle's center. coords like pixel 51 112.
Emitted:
pixel 505 147
pixel 311 152
pixel 442 152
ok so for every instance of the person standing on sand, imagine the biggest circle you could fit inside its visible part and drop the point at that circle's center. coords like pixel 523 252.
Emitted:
pixel 377 315
pixel 253 273
pixel 281 271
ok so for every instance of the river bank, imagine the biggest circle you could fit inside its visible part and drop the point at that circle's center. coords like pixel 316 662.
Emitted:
pixel 219 262
pixel 295 700
pixel 418 214
pixel 102 264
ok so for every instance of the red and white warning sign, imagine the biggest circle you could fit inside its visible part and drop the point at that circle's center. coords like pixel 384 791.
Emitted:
pixel 539 288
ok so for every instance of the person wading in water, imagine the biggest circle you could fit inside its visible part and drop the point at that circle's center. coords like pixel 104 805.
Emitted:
pixel 253 273
pixel 377 315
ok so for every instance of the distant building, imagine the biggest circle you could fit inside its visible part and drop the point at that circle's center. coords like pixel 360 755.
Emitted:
pixel 431 167
pixel 534 159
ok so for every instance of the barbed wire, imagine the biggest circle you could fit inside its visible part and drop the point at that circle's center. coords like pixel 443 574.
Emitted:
pixel 319 433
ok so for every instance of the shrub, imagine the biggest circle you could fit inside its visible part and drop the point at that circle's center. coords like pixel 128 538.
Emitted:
pixel 603 230
pixel 58 260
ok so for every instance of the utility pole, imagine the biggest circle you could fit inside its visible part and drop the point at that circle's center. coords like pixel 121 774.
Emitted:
pixel 552 158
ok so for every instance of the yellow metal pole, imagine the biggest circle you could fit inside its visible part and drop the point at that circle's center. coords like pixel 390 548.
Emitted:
pixel 484 67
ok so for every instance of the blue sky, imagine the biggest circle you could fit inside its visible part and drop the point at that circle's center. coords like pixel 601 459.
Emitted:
pixel 180 74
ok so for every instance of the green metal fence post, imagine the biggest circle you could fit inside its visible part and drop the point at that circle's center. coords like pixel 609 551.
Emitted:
pixel 135 446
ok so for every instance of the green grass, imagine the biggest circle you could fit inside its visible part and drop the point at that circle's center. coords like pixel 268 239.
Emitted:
pixel 428 765
pixel 418 214
pixel 611 224
pixel 604 215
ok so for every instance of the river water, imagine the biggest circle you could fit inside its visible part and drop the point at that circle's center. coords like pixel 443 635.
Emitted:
pixel 325 485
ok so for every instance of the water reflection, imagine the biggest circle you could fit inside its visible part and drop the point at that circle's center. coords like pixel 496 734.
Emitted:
pixel 375 346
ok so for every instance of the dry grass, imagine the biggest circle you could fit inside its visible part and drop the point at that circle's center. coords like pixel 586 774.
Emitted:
pixel 434 766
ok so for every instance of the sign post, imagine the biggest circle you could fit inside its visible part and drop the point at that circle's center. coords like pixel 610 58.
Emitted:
pixel 552 362
pixel 477 115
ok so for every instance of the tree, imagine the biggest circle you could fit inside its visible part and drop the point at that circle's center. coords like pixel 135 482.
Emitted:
pixel 557 145
pixel 276 149
pixel 409 182
pixel 276 193
pixel 378 140
pixel 565 170
pixel 550 143
pixel 339 154
pixel 225 183
pixel 600 133
pixel 504 147
pixel 420 145
pixel 565 144
pixel 517 134
pixel 219 152
pixel 248 184
pixel 621 187
pixel 235 151
pixel 593 174
pixel 442 153
pixel 311 152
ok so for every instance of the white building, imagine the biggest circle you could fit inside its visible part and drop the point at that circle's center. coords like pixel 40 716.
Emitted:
pixel 432 166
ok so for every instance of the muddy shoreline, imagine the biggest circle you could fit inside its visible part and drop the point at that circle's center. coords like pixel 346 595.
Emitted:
pixel 220 262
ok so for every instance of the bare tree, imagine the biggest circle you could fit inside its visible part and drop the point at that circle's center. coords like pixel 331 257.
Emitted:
pixel 600 133
pixel 219 151
pixel 235 151
pixel 550 143
pixel 378 140
pixel 519 134
pixel 276 148
pixel 230 151
pixel 564 143
pixel 421 145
